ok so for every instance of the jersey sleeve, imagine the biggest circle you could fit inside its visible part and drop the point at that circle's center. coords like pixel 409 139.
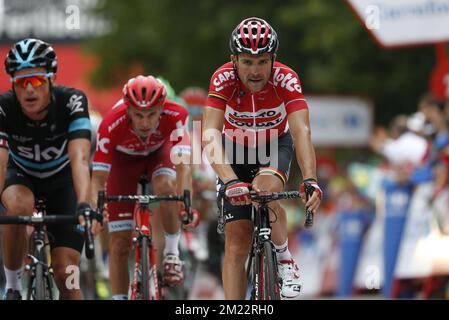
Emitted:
pixel 289 88
pixel 103 152
pixel 221 88
pixel 79 122
pixel 3 129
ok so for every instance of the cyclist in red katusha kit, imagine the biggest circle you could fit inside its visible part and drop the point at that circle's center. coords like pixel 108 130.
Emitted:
pixel 143 133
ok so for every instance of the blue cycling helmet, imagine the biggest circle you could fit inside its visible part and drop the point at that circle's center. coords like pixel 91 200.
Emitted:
pixel 31 53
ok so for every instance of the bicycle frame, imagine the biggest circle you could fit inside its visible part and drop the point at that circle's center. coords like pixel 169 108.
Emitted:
pixel 39 266
pixel 261 235
pixel 142 224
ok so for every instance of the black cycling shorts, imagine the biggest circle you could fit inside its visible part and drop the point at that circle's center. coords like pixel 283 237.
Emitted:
pixel 60 199
pixel 276 161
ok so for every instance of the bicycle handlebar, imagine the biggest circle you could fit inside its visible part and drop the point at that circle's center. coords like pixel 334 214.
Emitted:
pixel 58 219
pixel 36 219
pixel 309 214
pixel 266 197
pixel 147 199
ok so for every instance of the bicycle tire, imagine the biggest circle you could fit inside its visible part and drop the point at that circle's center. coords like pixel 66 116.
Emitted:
pixel 270 283
pixel 39 283
pixel 145 275
pixel 256 277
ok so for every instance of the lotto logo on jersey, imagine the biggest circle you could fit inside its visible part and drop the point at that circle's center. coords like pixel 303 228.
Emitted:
pixel 264 118
pixel 223 77
pixel 287 81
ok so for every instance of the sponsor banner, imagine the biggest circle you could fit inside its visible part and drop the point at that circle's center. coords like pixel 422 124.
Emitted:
pixel 369 274
pixel 397 201
pixel 340 121
pixel 350 233
pixel 317 257
pixel 404 22
pixel 415 256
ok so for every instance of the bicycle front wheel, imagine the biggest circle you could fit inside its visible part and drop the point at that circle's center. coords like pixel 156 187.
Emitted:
pixel 270 273
pixel 39 283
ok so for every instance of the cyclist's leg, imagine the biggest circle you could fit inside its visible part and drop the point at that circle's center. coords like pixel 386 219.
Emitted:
pixel 66 241
pixel 120 245
pixel 163 181
pixel 123 179
pixel 65 262
pixel 237 245
pixel 238 234
pixel 18 199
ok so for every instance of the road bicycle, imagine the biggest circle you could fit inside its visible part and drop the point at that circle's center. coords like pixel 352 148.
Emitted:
pixel 145 284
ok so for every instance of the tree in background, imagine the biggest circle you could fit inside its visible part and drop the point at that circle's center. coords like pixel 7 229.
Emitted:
pixel 185 41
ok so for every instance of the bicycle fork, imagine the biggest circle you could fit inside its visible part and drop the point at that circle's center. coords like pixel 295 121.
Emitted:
pixel 138 265
pixel 39 258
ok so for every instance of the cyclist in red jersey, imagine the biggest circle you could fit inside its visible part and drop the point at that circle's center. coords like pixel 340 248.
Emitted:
pixel 143 133
pixel 256 115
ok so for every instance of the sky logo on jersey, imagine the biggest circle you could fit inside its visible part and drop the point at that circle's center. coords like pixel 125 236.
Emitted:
pixel 287 81
pixel 222 77
pixel 35 153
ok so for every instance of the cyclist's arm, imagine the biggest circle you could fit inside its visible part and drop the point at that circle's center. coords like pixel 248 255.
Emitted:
pixel 4 156
pixel 99 179
pixel 183 178
pixel 298 122
pixel 213 146
pixel 79 151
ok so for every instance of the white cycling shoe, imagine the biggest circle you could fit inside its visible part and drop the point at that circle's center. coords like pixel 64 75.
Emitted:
pixel 291 283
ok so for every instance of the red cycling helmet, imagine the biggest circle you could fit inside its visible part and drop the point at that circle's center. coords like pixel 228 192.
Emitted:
pixel 142 93
pixel 194 96
pixel 253 36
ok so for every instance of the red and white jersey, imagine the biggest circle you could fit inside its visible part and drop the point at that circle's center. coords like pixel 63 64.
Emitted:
pixel 256 113
pixel 116 134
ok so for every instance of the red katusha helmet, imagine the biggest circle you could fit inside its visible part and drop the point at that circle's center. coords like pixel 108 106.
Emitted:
pixel 142 93
pixel 253 36
pixel 194 96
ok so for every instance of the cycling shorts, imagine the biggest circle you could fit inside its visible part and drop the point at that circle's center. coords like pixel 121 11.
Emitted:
pixel 124 176
pixel 60 199
pixel 274 158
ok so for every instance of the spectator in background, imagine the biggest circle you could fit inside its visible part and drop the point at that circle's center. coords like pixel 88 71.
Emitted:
pixel 395 145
